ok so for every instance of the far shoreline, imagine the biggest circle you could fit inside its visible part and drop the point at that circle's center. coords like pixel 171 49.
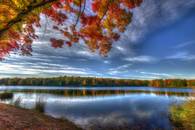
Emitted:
pixel 68 81
pixel 91 87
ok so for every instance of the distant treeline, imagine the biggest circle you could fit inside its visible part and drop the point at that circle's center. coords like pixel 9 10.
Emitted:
pixel 92 81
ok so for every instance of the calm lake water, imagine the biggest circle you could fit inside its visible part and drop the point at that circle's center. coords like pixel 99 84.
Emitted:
pixel 103 108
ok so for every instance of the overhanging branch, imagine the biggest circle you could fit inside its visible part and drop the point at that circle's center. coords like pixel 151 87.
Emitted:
pixel 23 13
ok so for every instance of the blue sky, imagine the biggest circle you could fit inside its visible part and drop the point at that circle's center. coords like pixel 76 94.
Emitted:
pixel 160 43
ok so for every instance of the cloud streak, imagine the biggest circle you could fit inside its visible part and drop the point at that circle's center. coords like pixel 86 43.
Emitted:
pixel 185 56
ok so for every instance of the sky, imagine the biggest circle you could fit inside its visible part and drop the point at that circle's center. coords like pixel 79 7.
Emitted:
pixel 159 43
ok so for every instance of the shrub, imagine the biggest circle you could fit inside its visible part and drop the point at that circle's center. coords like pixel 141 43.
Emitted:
pixel 183 116
pixel 6 96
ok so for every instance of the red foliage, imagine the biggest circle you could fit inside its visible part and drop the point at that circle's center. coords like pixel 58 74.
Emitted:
pixel 99 30
pixel 57 43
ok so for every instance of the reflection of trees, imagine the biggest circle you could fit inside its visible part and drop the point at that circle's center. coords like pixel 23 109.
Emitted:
pixel 39 105
pixel 85 92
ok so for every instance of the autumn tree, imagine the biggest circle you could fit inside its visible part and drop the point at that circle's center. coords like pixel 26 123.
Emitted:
pixel 97 23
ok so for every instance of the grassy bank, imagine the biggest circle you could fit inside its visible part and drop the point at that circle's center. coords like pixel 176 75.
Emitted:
pixel 6 95
pixel 183 116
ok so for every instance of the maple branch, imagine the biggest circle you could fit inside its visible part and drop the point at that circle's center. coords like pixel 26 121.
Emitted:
pixel 80 13
pixel 83 7
pixel 23 13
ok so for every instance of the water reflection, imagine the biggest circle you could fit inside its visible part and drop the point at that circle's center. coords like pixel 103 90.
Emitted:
pixel 2 88
pixel 6 96
pixel 72 92
pixel 104 109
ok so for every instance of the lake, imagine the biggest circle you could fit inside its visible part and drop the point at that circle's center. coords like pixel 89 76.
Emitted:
pixel 103 108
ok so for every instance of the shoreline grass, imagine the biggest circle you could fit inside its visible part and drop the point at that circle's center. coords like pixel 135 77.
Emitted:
pixel 6 96
pixel 183 116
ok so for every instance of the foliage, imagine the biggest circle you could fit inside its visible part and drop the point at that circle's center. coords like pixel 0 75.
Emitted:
pixel 183 116
pixel 98 27
pixel 72 81
pixel 93 81
pixel 171 83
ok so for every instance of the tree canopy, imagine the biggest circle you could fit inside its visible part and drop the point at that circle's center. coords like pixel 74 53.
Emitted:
pixel 97 23
pixel 95 81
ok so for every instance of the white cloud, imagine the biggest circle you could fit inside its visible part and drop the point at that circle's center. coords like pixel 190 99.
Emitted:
pixel 161 75
pixel 185 44
pixel 156 74
pixel 106 62
pixel 119 70
pixel 148 59
pixel 182 56
pixel 153 14
pixel 87 53
pixel 42 69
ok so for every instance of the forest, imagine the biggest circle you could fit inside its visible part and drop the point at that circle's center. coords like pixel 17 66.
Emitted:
pixel 94 81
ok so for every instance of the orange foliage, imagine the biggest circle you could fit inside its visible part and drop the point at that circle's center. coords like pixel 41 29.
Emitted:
pixel 99 29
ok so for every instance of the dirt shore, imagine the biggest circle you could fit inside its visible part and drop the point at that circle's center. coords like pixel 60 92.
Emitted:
pixel 12 118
